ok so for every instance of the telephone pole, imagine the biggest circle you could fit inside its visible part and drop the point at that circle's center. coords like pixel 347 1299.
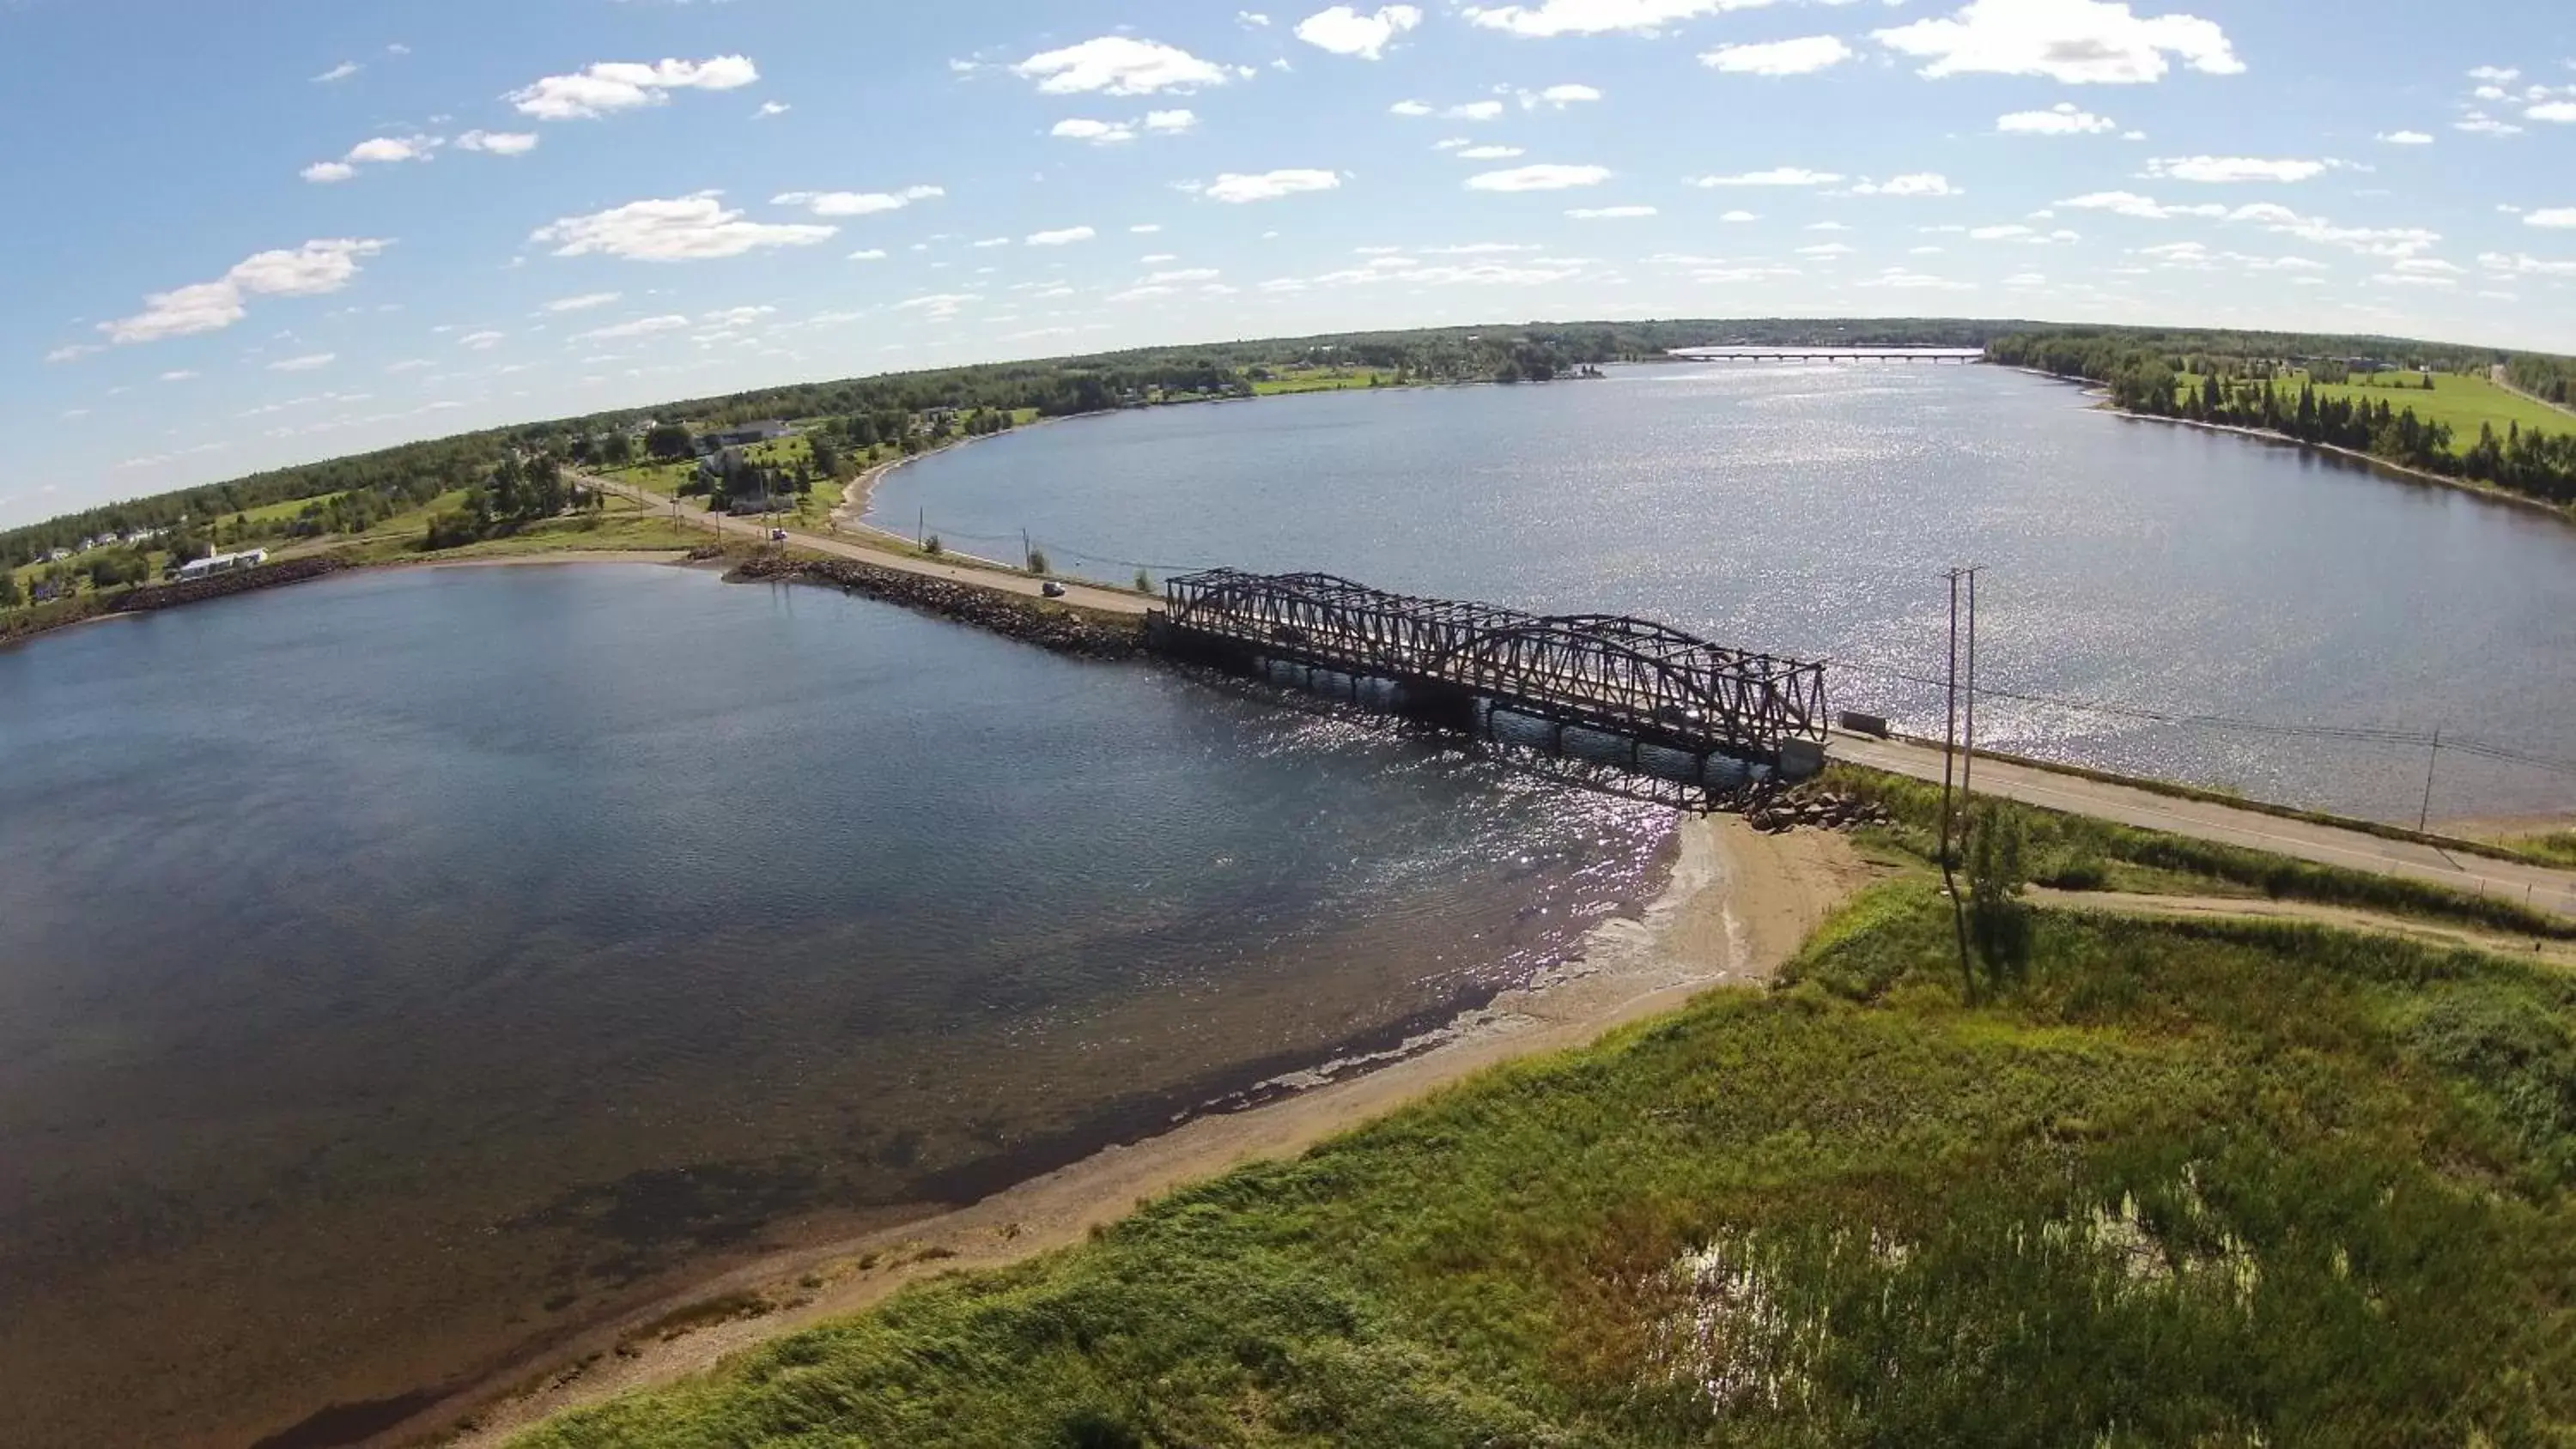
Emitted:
pixel 2425 818
pixel 1949 755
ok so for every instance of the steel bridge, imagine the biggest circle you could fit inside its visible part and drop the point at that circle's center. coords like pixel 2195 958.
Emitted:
pixel 1459 663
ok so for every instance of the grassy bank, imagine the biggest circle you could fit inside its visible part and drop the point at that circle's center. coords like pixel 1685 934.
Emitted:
pixel 2166 1184
pixel 2073 852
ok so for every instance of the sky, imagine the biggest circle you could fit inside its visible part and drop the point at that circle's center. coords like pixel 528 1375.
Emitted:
pixel 274 231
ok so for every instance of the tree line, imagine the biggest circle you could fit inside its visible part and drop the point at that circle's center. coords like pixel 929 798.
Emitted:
pixel 2240 385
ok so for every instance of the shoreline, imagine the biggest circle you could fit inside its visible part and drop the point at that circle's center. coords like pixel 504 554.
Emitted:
pixel 2471 486
pixel 1733 908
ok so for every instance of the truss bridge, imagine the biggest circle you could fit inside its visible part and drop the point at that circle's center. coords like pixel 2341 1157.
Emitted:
pixel 1460 664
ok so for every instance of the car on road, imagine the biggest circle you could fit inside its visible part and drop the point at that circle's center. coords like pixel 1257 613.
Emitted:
pixel 1052 588
pixel 778 535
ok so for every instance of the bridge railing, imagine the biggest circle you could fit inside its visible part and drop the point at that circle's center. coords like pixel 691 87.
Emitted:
pixel 1629 675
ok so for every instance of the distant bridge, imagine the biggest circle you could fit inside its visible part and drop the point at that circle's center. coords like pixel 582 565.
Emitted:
pixel 1460 663
pixel 1831 354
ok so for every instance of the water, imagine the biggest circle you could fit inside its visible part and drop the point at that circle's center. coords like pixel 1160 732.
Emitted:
pixel 1810 509
pixel 399 971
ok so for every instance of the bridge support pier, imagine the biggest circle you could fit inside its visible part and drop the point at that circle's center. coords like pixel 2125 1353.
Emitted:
pixel 1444 705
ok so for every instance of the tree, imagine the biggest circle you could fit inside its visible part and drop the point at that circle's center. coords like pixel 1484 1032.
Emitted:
pixel 669 441
pixel 827 459
pixel 614 450
pixel 1998 920
pixel 11 596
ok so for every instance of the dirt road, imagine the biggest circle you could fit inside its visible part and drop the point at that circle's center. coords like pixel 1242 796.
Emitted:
pixel 1088 596
pixel 2535 885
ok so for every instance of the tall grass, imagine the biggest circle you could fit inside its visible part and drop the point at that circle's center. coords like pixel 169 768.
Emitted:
pixel 2074 852
pixel 2169 1184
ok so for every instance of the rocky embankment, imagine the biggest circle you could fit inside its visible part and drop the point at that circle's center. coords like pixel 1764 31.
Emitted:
pixel 1775 810
pixel 1049 626
pixel 24 623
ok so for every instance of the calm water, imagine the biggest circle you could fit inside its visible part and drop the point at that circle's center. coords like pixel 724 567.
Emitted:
pixel 396 971
pixel 1810 509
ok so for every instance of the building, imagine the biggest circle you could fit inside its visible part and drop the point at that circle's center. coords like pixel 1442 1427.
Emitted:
pixel 223 563
pixel 743 436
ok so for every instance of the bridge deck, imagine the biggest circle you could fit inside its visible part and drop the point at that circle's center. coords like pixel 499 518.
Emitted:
pixel 1620 675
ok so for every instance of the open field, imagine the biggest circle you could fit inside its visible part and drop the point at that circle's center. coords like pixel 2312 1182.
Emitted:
pixel 2463 403
pixel 1320 379
pixel 2166 1181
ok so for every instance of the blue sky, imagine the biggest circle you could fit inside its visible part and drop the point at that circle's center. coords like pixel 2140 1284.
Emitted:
pixel 256 234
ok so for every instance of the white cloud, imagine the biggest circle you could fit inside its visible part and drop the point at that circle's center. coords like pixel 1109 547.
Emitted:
pixel 613 86
pixel 1345 31
pixel 1488 153
pixel 72 352
pixel 1919 183
pixel 1171 122
pixel 2130 203
pixel 1558 97
pixel 1828 249
pixel 940 305
pixel 872 254
pixel 340 72
pixel 498 143
pixel 1065 236
pixel 1098 133
pixel 309 362
pixel 1475 111
pixel 2495 74
pixel 1777 176
pixel 1118 65
pixel 1609 213
pixel 1409 108
pixel 2228 170
pixel 2556 216
pixel 2063 119
pixel 2073 42
pixel 1740 216
pixel 2561 112
pixel 483 341
pixel 640 327
pixel 687 228
pixel 988 243
pixel 1186 274
pixel 771 108
pixel 1538 178
pixel 2405 138
pixel 1139 294
pixel 857 203
pixel 181 375
pixel 2481 124
pixel 1551 18
pixel 584 302
pixel 1904 279
pixel 1235 188
pixel 2522 264
pixel 311 270
pixel 1147 228
pixel 375 151
pixel 1803 56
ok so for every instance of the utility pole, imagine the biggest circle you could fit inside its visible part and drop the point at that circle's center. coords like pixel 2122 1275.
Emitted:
pixel 1949 750
pixel 2425 817
pixel 1968 756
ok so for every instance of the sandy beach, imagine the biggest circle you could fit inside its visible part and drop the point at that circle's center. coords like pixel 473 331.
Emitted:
pixel 1737 905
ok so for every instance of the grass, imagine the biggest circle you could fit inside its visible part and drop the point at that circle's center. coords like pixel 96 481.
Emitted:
pixel 2209 1184
pixel 1322 379
pixel 2077 853
pixel 2465 403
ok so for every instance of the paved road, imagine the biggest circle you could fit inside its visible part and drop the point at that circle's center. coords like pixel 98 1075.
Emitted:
pixel 2127 805
pixel 1113 601
pixel 2325 844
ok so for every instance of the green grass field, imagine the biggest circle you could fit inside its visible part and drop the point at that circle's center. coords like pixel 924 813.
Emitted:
pixel 1321 379
pixel 2167 1184
pixel 2464 403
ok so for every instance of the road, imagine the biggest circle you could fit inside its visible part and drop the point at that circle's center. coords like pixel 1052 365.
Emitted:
pixel 2534 885
pixel 1109 601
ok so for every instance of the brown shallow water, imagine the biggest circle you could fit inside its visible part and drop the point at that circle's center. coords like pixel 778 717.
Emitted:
pixel 397 975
